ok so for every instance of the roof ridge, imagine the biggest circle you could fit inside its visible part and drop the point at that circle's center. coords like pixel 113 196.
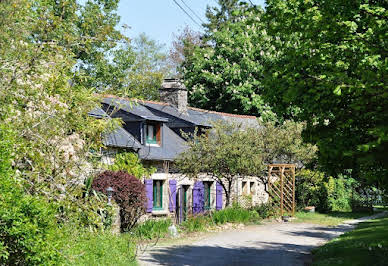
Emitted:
pixel 167 104
pixel 222 113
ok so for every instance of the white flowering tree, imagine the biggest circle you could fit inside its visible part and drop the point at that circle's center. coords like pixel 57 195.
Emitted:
pixel 53 132
pixel 226 73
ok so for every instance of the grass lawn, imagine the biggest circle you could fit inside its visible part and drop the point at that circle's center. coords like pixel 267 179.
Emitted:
pixel 330 219
pixel 366 245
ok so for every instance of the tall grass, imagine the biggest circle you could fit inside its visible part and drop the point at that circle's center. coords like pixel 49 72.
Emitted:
pixel 152 229
pixel 196 223
pixel 234 214
pixel 97 248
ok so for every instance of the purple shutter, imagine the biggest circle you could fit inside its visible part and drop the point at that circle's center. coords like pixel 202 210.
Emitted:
pixel 218 196
pixel 149 191
pixel 198 197
pixel 171 205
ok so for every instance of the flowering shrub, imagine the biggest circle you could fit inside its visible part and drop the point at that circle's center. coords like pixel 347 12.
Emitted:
pixel 27 224
pixel 129 193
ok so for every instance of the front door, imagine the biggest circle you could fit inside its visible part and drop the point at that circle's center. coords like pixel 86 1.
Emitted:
pixel 182 206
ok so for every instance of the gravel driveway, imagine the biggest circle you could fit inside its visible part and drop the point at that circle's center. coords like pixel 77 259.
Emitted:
pixel 269 244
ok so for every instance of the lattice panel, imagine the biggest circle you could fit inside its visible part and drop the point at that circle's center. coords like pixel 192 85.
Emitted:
pixel 281 187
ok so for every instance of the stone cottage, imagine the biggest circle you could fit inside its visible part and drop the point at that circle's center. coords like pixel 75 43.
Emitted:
pixel 154 131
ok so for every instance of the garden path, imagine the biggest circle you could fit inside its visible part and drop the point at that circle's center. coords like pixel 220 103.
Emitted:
pixel 268 244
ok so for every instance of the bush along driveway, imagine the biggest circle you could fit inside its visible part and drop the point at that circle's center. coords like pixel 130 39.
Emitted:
pixel 268 244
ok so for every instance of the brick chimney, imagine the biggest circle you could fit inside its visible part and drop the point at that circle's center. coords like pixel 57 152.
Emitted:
pixel 174 92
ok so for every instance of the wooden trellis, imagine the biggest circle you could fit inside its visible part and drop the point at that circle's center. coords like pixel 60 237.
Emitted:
pixel 281 187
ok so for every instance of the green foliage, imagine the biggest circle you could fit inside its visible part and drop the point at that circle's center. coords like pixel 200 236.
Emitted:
pixel 130 163
pixel 234 214
pixel 229 151
pixel 196 223
pixel 339 193
pixel 331 64
pixel 362 246
pixel 225 153
pixel 265 210
pixel 27 224
pixel 48 114
pixel 152 229
pixel 102 248
pixel 308 188
pixel 327 194
pixel 225 74
pixel 141 66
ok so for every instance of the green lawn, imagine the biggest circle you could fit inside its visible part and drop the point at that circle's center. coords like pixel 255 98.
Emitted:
pixel 366 245
pixel 331 218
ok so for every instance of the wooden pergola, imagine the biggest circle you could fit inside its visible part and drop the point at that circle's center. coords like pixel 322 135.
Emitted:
pixel 281 187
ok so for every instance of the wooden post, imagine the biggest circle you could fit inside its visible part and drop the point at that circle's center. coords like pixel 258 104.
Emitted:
pixel 281 189
pixel 293 190
pixel 269 182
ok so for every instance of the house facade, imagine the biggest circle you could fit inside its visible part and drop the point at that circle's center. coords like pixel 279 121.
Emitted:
pixel 154 131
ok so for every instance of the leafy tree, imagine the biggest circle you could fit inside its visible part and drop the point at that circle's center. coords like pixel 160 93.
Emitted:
pixel 223 13
pixel 141 67
pixel 183 47
pixel 48 115
pixel 224 154
pixel 228 152
pixel 331 63
pixel 226 74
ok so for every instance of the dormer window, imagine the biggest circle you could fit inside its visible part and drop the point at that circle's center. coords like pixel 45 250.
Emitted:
pixel 152 134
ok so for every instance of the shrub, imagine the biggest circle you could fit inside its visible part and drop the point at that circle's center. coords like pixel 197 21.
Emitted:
pixel 337 194
pixel 130 163
pixel 265 210
pixel 129 194
pixel 308 187
pixel 27 224
pixel 151 229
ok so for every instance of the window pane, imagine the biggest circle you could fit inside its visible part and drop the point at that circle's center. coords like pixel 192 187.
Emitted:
pixel 150 132
pixel 158 194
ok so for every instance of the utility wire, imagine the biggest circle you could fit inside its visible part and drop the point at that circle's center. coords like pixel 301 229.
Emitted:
pixel 192 11
pixel 187 13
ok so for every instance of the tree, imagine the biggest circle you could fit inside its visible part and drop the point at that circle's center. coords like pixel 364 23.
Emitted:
pixel 224 13
pixel 225 153
pixel 331 64
pixel 49 116
pixel 142 67
pixel 183 47
pixel 225 74
pixel 228 152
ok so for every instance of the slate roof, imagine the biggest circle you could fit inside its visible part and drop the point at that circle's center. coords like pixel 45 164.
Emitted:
pixel 172 121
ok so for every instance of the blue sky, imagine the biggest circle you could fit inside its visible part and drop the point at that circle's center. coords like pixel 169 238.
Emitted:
pixel 159 19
